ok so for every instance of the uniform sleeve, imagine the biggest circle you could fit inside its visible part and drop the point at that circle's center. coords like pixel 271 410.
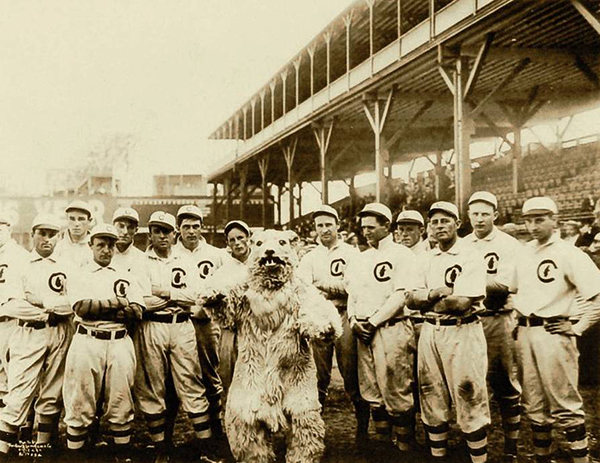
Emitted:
pixel 583 274
pixel 305 268
pixel 472 280
pixel 507 264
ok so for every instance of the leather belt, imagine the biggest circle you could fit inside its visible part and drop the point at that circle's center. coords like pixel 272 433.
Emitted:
pixel 452 321
pixel 106 335
pixel 538 321
pixel 394 321
pixel 487 313
pixel 5 319
pixel 36 325
pixel 167 317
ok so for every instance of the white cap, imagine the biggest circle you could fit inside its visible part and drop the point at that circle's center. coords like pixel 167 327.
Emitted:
pixel 444 206
pixel 45 221
pixel 410 217
pixel 539 205
pixel 484 196
pixel 377 209
pixel 126 213
pixel 326 210
pixel 104 230
pixel 79 205
pixel 162 219
pixel 189 210
pixel 237 224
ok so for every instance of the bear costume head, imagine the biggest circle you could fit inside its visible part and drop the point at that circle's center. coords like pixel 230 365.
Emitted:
pixel 273 260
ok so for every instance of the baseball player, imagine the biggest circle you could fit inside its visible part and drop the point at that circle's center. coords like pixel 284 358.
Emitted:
pixel 549 273
pixel 452 358
pixel 166 342
pixel 101 359
pixel 500 252
pixel 237 234
pixel 377 279
pixel 324 267
pixel 13 260
pixel 207 258
pixel 74 245
pixel 39 343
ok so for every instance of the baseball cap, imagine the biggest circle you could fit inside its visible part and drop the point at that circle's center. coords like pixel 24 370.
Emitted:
pixel 410 217
pixel 444 206
pixel 377 209
pixel 79 205
pixel 104 230
pixel 539 205
pixel 189 210
pixel 162 219
pixel 45 221
pixel 326 210
pixel 484 196
pixel 237 224
pixel 126 213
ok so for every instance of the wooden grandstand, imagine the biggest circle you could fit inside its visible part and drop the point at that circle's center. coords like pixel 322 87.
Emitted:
pixel 391 80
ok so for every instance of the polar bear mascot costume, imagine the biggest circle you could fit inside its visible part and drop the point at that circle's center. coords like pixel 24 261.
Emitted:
pixel 274 388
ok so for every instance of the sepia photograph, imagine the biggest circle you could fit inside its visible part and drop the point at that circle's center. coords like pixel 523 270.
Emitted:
pixel 300 231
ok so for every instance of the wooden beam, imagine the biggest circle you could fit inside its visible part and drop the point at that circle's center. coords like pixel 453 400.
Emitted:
pixel 478 64
pixel 400 133
pixel 587 15
pixel 587 71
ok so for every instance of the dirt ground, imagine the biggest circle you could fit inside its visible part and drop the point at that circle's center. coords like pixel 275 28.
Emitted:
pixel 339 419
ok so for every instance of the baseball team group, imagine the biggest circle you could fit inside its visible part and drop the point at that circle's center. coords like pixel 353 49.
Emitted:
pixel 91 328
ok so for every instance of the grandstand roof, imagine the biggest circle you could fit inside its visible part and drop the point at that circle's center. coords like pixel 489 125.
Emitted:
pixel 544 57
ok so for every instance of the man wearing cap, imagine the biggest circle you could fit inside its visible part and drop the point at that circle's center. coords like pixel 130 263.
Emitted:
pixel 101 360
pixel 452 358
pixel 377 280
pixel 13 260
pixel 207 259
pixel 500 252
pixel 549 274
pixel 409 232
pixel 127 256
pixel 237 235
pixel 165 340
pixel 74 245
pixel 38 345
pixel 325 267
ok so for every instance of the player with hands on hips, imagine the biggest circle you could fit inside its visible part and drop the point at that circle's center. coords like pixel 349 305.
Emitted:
pixel 549 274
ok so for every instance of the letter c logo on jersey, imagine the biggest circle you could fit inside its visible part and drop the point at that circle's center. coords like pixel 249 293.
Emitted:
pixel 545 271
pixel 205 267
pixel 56 282
pixel 382 270
pixel 336 268
pixel 451 275
pixel 177 278
pixel 491 261
pixel 121 287
pixel 3 267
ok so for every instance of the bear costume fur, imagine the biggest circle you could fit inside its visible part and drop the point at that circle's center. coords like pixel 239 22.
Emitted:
pixel 274 388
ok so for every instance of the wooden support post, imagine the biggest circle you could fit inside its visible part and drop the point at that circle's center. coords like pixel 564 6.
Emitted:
pixel 297 63
pixel 463 128
pixel 283 80
pixel 300 198
pixel 587 15
pixel 323 136
pixel 215 210
pixel 253 107
pixel 279 195
pixel 289 151
pixel 272 86
pixel 377 116
pixel 263 93
pixel 263 165
pixel 243 169
pixel 245 122
pixel 227 186
pixel 311 54
pixel 348 23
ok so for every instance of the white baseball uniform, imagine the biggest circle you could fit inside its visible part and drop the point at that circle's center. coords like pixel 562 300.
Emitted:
pixel 547 279
pixel 101 357
pixel 78 254
pixel 38 348
pixel 166 340
pixel 385 366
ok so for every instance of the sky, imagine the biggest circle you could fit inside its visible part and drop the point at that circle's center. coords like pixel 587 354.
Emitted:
pixel 74 74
